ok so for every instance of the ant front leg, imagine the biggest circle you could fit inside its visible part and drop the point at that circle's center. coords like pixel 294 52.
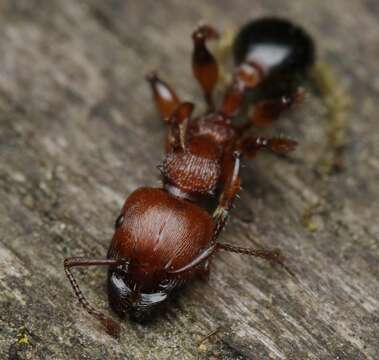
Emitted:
pixel 201 262
pixel 203 270
pixel 250 145
pixel 220 215
pixel 164 96
pixel 204 65
pixel 274 256
pixel 177 130
pixel 111 326
pixel 228 195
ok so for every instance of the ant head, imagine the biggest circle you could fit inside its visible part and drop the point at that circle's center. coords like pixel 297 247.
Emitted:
pixel 155 234
pixel 135 287
pixel 135 290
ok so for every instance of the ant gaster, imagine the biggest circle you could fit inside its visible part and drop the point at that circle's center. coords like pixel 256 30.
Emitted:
pixel 165 236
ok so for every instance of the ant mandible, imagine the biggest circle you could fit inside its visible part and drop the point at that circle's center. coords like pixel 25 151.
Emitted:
pixel 165 236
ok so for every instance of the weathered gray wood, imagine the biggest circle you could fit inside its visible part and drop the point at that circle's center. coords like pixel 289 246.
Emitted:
pixel 78 133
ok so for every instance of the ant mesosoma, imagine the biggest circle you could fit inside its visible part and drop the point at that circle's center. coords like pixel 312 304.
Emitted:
pixel 165 236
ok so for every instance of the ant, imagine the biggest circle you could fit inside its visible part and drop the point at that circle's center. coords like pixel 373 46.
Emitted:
pixel 166 236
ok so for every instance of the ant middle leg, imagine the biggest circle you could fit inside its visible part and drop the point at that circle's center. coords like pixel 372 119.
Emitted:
pixel 164 96
pixel 232 185
pixel 266 112
pixel 250 145
pixel 172 111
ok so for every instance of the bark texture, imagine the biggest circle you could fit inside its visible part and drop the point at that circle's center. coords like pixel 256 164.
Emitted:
pixel 78 133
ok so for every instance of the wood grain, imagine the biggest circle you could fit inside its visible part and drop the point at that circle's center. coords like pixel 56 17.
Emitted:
pixel 78 133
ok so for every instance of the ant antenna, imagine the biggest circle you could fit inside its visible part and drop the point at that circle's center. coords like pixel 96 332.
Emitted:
pixel 112 327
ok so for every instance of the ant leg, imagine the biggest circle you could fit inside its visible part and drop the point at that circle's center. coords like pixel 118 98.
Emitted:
pixel 200 259
pixel 172 111
pixel 250 145
pixel 178 122
pixel 229 193
pixel 164 96
pixel 247 76
pixel 111 326
pixel 274 256
pixel 271 255
pixel 220 216
pixel 266 112
pixel 203 270
pixel 204 65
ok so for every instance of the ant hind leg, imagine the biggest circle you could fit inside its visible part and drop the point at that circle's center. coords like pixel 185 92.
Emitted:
pixel 204 65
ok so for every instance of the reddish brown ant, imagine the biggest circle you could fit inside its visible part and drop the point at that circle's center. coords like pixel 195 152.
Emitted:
pixel 163 236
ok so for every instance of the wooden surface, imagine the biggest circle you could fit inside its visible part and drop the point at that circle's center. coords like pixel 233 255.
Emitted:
pixel 78 133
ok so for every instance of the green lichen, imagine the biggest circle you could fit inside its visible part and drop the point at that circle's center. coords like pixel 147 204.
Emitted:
pixel 337 102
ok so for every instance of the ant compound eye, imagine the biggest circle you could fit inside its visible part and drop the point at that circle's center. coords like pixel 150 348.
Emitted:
pixel 119 221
